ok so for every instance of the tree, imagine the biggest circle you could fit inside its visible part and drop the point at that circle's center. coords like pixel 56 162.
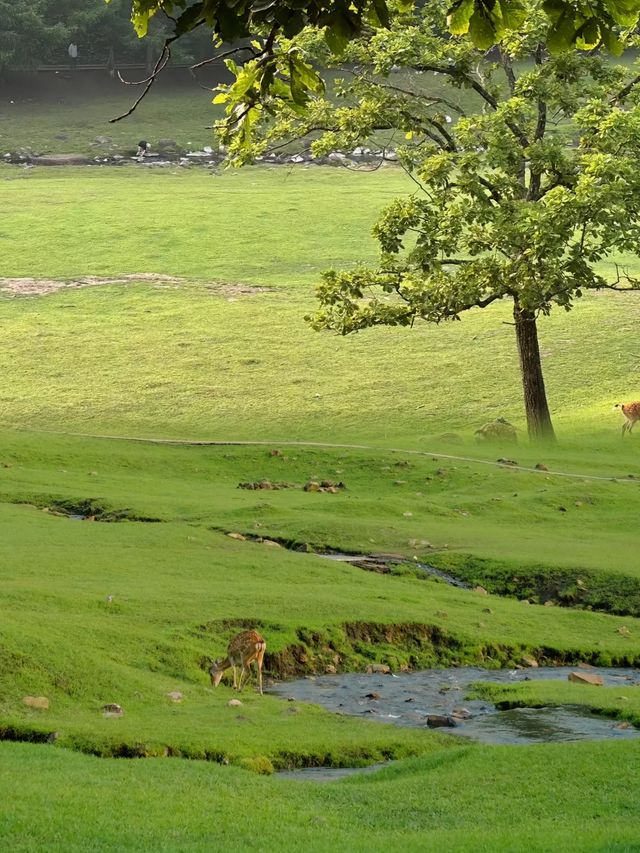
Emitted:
pixel 268 70
pixel 26 33
pixel 517 199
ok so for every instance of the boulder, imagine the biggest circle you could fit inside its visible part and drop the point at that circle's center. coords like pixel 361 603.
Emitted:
pixel 379 669
pixel 480 590
pixel 499 430
pixel 461 713
pixel 175 696
pixel 586 678
pixel 527 660
pixel 436 721
pixel 111 709
pixel 39 702
pixel 237 536
pixel 234 703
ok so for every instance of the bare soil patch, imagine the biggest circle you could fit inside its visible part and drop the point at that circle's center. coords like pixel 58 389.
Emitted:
pixel 232 291
pixel 45 286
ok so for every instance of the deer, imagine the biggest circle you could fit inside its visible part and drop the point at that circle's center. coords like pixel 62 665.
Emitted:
pixel 241 651
pixel 631 412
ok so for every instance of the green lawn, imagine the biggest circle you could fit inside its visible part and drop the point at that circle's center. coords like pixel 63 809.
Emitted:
pixel 574 797
pixel 197 359
pixel 67 118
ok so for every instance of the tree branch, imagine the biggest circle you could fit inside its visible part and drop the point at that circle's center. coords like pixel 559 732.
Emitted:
pixel 453 71
pixel 163 59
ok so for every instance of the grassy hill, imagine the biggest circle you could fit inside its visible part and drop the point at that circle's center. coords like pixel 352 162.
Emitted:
pixel 133 605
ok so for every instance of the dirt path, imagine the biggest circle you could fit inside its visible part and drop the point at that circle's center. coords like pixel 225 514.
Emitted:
pixel 621 478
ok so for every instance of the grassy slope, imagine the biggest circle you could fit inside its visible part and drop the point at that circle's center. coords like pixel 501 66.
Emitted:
pixel 540 798
pixel 147 359
pixel 172 594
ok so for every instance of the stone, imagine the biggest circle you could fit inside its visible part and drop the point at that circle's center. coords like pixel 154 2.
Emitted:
pixel 175 696
pixel 540 466
pixel 312 486
pixel 111 709
pixel 549 603
pixel 379 668
pixel 103 140
pixel 487 610
pixel 372 696
pixel 330 669
pixel 271 543
pixel 624 631
pixel 39 702
pixel 237 536
pixel 586 678
pixel 480 590
pixel 461 713
pixel 504 461
pixel 499 430
pixel 234 703
pixel 527 660
pixel 435 721
pixel 623 725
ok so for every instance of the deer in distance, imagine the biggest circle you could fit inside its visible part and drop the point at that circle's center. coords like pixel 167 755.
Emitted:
pixel 242 650
pixel 631 412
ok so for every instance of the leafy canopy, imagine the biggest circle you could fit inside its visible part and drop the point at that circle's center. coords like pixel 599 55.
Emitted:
pixel 521 198
pixel 270 71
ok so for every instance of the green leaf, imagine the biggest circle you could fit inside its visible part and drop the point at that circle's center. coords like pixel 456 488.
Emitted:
pixel 339 31
pixel 307 75
pixel 379 14
pixel 614 45
pixel 514 13
pixel 589 35
pixel 561 35
pixel 458 17
pixel 299 92
pixel 188 18
pixel 482 31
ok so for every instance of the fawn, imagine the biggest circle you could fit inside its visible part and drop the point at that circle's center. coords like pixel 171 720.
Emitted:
pixel 241 651
pixel 631 412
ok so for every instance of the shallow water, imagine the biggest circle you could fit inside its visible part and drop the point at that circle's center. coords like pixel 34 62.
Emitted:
pixel 409 698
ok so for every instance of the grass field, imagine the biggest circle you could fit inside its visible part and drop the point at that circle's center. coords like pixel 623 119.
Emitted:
pixel 201 358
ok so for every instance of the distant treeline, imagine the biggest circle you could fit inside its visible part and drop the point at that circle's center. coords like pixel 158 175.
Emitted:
pixel 35 33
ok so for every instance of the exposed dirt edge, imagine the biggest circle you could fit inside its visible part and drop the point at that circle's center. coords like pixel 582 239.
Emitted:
pixel 575 588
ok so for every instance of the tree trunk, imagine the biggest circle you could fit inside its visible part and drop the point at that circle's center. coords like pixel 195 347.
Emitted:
pixel 535 398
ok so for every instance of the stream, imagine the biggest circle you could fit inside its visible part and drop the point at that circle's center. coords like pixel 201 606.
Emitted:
pixel 407 699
